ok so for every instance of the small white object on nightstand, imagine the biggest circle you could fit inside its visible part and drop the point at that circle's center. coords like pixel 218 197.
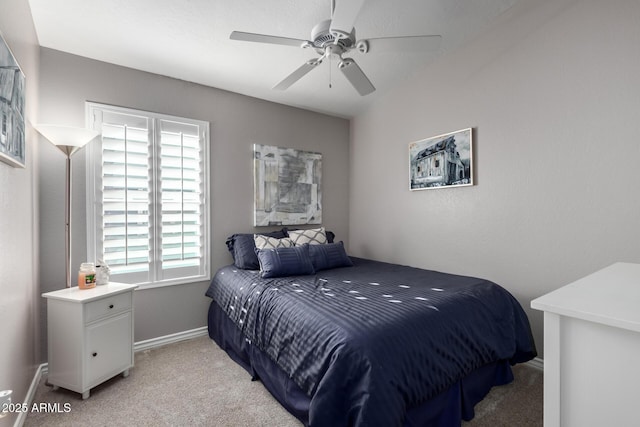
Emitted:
pixel 90 335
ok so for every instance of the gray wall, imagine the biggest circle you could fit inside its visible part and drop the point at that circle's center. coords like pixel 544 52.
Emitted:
pixel 237 122
pixel 19 292
pixel 553 94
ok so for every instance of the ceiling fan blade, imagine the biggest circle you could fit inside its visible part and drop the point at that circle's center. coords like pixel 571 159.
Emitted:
pixel 344 16
pixel 404 44
pixel 356 76
pixel 297 74
pixel 262 38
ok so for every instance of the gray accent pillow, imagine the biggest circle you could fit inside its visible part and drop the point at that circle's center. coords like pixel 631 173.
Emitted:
pixel 280 262
pixel 331 255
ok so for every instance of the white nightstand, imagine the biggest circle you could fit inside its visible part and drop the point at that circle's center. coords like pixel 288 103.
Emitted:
pixel 90 335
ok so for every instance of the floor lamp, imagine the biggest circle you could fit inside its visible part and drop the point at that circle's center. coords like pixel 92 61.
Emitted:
pixel 68 140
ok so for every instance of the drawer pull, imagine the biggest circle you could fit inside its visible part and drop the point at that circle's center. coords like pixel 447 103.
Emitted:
pixel 94 354
pixel 108 306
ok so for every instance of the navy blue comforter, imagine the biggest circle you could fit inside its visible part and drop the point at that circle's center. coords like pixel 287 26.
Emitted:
pixel 369 341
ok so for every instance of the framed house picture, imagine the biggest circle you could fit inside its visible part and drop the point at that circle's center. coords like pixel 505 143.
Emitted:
pixel 442 161
pixel 12 120
pixel 287 186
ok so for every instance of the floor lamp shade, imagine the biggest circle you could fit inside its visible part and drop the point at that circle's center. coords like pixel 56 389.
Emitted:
pixel 68 140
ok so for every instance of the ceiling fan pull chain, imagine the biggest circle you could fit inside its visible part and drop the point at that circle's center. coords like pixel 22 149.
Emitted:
pixel 330 67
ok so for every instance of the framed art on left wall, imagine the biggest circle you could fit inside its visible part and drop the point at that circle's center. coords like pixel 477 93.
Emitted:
pixel 12 95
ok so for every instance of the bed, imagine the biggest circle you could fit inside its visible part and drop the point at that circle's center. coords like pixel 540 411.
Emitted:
pixel 357 342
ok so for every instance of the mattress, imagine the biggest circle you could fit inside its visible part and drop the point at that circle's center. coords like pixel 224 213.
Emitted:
pixel 366 343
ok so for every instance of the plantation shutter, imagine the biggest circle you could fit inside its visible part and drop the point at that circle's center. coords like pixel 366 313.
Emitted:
pixel 181 189
pixel 150 213
pixel 126 191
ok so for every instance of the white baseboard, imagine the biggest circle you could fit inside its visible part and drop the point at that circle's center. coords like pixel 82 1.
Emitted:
pixel 31 393
pixel 169 339
pixel 537 363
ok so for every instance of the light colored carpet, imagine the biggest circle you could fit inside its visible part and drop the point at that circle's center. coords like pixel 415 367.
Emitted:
pixel 195 383
pixel 518 404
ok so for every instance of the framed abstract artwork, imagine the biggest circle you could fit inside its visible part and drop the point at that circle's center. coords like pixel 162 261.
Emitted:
pixel 12 120
pixel 287 186
pixel 442 161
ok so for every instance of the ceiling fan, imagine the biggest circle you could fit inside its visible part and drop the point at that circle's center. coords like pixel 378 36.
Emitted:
pixel 336 37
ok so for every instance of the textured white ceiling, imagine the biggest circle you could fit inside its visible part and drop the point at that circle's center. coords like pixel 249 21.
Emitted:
pixel 189 40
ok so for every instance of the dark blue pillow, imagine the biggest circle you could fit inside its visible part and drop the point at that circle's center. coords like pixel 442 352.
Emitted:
pixel 280 262
pixel 330 255
pixel 243 249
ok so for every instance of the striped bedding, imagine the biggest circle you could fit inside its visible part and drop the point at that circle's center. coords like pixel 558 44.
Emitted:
pixel 369 341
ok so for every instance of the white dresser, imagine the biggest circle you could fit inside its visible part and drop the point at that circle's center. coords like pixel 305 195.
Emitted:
pixel 592 349
pixel 90 334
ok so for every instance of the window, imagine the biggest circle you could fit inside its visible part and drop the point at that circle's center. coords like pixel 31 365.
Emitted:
pixel 148 179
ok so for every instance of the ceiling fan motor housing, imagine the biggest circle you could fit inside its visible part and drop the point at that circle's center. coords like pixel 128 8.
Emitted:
pixel 321 37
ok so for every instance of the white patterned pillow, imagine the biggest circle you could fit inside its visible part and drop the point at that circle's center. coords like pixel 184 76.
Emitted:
pixel 266 242
pixel 314 236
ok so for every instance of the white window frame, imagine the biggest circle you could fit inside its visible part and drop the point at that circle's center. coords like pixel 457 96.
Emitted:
pixel 156 276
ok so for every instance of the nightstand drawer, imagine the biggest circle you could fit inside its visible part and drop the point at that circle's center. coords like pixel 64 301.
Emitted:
pixel 108 306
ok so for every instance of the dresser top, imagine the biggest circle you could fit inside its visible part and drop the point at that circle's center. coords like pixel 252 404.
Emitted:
pixel 85 295
pixel 610 296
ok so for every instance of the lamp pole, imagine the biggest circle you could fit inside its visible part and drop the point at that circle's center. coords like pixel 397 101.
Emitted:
pixel 68 140
pixel 67 220
pixel 68 150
